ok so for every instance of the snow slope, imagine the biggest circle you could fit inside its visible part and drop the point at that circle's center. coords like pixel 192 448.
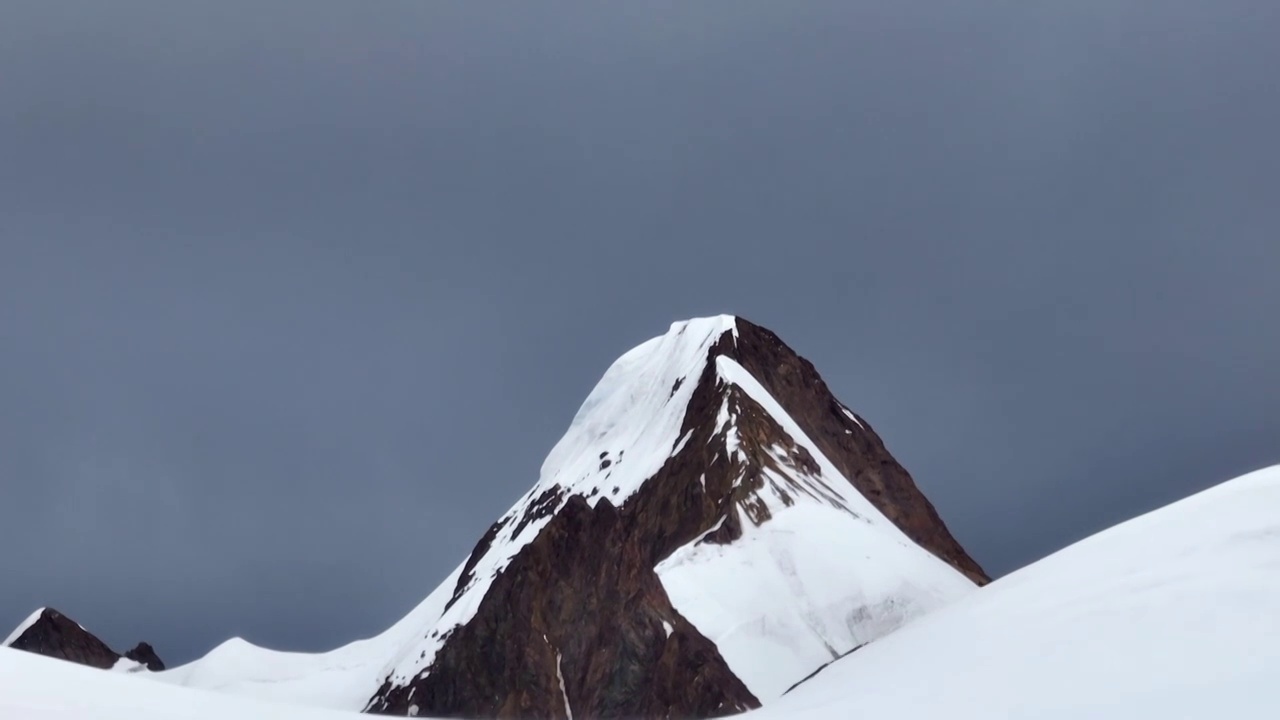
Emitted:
pixel 1175 614
pixel 341 679
pixel 34 687
pixel 822 577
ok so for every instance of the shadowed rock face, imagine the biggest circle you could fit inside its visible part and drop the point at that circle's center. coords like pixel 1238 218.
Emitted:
pixel 57 636
pixel 579 625
pixel 860 455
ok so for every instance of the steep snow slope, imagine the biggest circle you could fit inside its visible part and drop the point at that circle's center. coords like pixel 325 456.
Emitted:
pixel 1175 614
pixel 818 580
pixel 33 687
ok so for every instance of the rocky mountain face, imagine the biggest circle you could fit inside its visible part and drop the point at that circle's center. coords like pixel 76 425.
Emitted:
pixel 50 633
pixel 566 611
pixel 856 451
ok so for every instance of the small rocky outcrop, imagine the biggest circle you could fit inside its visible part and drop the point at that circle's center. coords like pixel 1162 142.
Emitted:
pixel 146 655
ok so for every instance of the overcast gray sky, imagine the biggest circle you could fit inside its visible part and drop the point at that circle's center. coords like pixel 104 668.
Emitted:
pixel 295 296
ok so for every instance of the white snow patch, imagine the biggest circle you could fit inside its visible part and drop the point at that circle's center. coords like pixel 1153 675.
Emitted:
pixel 723 418
pixel 1170 615
pixel 568 711
pixel 719 524
pixel 799 590
pixel 853 417
pixel 680 445
pixel 126 665
pixel 667 628
pixel 22 627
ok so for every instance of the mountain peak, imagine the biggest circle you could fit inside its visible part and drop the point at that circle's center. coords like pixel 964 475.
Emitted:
pixel 713 435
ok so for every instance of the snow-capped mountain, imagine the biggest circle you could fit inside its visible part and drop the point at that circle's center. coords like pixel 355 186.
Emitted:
pixel 713 527
pixel 48 632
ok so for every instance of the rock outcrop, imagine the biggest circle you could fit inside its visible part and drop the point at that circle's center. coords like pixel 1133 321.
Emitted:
pixel 50 633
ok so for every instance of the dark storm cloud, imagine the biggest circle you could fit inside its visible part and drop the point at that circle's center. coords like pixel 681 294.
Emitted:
pixel 294 297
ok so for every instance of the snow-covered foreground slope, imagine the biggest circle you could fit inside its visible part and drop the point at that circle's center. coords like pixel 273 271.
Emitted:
pixel 33 687
pixel 1175 614
pixel 340 679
